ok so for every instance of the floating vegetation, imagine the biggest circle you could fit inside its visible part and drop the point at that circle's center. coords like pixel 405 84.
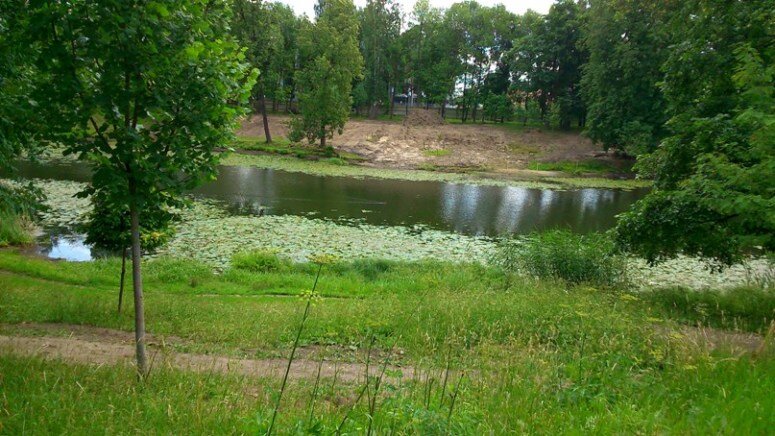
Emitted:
pixel 209 233
pixel 324 168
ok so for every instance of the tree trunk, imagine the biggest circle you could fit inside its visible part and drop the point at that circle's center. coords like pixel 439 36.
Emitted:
pixel 266 119
pixel 323 141
pixel 392 98
pixel 137 285
pixel 121 284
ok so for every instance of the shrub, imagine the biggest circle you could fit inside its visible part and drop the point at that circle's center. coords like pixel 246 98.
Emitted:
pixel 560 254
pixel 258 261
pixel 14 230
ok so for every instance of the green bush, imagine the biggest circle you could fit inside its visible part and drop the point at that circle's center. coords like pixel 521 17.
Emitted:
pixel 259 261
pixel 13 230
pixel 560 254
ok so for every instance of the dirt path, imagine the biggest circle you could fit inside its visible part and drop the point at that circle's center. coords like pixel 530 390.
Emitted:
pixel 101 346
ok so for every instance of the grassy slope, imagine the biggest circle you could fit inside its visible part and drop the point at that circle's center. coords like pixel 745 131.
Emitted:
pixel 548 359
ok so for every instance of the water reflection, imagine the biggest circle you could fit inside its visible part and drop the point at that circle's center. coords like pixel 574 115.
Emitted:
pixel 60 244
pixel 468 209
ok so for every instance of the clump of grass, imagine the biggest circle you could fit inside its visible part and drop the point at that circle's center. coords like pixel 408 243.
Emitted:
pixel 14 230
pixel 336 161
pixel 746 309
pixel 563 255
pixel 437 153
pixel 259 261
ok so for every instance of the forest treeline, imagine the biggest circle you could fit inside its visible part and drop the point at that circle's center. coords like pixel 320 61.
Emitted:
pixel 614 67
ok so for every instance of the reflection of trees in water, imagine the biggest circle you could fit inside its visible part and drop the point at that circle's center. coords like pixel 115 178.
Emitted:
pixel 69 246
pixel 504 210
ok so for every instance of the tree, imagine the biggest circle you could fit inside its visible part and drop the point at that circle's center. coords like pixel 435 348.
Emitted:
pixel 144 91
pixel 18 117
pixel 628 42
pixel 547 58
pixel 714 175
pixel 330 47
pixel 380 28
pixel 268 32
pixel 109 228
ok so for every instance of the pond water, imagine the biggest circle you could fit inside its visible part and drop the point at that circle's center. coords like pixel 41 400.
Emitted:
pixel 466 209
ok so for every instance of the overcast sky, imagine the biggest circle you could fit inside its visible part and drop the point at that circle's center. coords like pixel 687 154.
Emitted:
pixel 516 6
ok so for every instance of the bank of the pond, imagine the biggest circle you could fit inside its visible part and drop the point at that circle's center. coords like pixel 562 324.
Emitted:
pixel 527 179
pixel 208 233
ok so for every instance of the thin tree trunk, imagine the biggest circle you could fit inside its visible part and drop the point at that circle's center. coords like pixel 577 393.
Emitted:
pixel 392 98
pixel 137 285
pixel 121 284
pixel 266 119
pixel 323 141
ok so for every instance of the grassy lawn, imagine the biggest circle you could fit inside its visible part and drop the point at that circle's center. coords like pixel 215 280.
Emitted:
pixel 538 356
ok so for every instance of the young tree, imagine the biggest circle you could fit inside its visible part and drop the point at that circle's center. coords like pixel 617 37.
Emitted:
pixel 714 174
pixel 109 228
pixel 333 60
pixel 144 91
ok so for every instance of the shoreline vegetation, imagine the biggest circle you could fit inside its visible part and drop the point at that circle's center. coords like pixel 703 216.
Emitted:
pixel 337 166
pixel 209 234
pixel 522 178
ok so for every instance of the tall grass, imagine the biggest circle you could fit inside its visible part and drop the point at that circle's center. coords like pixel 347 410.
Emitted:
pixel 566 256
pixel 14 230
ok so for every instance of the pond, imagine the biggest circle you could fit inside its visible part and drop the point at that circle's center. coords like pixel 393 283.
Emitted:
pixel 465 209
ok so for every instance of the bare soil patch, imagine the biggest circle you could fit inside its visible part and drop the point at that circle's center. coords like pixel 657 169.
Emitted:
pixel 413 143
pixel 101 346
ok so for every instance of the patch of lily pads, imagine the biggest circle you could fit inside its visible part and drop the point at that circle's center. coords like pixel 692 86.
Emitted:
pixel 207 232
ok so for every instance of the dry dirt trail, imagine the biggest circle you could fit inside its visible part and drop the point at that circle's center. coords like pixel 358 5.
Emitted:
pixel 101 346
pixel 424 138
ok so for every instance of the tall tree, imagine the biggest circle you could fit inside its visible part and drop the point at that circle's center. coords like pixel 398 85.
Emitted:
pixel 260 34
pixel 380 28
pixel 333 60
pixel 144 91
pixel 18 118
pixel 547 60
pixel 714 174
pixel 628 42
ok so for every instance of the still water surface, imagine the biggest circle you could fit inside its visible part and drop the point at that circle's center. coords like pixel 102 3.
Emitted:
pixel 468 209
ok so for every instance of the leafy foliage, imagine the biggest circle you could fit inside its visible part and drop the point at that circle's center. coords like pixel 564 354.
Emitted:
pixel 628 43
pixel 715 173
pixel 325 82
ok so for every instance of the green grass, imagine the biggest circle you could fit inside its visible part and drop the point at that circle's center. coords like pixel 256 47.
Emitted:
pixel 436 153
pixel 13 231
pixel 574 167
pixel 541 356
pixel 744 309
